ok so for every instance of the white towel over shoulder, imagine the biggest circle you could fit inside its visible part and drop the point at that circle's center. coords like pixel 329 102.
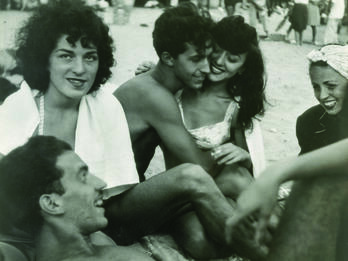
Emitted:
pixel 102 137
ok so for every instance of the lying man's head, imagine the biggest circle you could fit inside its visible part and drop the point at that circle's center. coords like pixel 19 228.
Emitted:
pixel 182 40
pixel 45 181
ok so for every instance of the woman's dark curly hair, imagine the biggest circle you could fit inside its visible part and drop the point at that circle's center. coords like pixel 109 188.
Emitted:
pixel 38 37
pixel 235 36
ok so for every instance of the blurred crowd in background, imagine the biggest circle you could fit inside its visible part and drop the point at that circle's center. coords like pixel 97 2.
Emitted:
pixel 331 14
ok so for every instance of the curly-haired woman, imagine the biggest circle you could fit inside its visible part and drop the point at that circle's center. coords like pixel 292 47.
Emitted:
pixel 65 53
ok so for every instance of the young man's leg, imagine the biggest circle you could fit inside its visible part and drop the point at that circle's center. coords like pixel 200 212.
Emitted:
pixel 154 203
pixel 309 225
pixel 191 235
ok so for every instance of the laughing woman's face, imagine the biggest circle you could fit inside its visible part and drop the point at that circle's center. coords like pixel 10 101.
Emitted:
pixel 224 65
pixel 330 88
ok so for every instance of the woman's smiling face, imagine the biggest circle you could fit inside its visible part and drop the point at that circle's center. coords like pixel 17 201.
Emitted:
pixel 330 88
pixel 224 65
pixel 72 68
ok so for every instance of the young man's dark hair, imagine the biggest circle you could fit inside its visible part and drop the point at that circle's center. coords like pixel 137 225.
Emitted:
pixel 178 26
pixel 27 172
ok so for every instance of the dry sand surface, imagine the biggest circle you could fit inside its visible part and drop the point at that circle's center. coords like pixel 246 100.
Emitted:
pixel 288 87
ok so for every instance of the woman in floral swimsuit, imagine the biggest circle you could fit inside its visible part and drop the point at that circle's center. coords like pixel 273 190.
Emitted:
pixel 221 114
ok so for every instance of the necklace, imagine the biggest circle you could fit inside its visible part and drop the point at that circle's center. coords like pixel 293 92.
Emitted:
pixel 41 114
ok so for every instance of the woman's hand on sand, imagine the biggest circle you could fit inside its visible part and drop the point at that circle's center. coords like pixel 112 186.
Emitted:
pixel 144 67
pixel 229 153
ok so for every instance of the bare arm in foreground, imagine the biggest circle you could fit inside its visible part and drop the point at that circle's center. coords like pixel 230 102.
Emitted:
pixel 261 195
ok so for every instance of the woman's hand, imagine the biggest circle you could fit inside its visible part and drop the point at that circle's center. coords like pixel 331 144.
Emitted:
pixel 229 153
pixel 144 67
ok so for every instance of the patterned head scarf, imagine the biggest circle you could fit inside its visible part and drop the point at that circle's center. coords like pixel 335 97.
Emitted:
pixel 334 55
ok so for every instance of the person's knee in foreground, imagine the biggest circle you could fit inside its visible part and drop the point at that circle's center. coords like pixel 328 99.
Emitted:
pixel 52 196
pixel 312 212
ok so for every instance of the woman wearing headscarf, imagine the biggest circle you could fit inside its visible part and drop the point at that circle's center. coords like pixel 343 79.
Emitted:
pixel 317 205
pixel 326 122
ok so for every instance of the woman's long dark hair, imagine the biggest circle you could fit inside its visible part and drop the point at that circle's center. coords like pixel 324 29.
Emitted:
pixel 235 36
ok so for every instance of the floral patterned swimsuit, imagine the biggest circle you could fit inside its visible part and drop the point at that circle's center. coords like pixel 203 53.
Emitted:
pixel 212 135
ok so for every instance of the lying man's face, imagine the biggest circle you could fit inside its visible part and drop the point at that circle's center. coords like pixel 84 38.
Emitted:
pixel 82 200
pixel 192 66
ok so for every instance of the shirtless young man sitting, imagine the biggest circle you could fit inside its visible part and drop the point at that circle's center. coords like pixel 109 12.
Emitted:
pixel 182 41
pixel 52 196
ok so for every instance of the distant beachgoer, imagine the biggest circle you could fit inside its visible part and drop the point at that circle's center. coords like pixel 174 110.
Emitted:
pixel 230 6
pixel 313 18
pixel 258 12
pixel 335 16
pixel 299 19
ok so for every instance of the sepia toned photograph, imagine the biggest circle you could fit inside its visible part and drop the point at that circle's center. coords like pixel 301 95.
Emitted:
pixel 173 130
